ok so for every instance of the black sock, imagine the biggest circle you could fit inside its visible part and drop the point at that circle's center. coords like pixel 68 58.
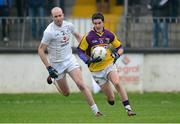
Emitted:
pixel 125 103
pixel 111 102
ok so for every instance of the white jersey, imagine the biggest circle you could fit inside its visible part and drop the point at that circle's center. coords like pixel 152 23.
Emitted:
pixel 57 39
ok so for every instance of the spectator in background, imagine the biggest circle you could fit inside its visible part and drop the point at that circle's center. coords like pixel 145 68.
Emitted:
pixel 5 8
pixel 119 2
pixel 20 7
pixel 103 6
pixel 133 2
pixel 161 13
pixel 54 3
pixel 174 10
pixel 36 10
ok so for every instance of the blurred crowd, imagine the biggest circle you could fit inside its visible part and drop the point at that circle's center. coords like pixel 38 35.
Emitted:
pixel 24 8
pixel 41 8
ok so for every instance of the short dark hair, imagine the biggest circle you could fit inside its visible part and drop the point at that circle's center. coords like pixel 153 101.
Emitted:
pixel 98 15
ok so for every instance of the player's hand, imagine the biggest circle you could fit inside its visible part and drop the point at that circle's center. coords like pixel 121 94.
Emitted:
pixel 52 72
pixel 49 80
pixel 115 55
pixel 93 60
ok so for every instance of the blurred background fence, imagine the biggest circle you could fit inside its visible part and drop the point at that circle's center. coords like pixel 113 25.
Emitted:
pixel 134 32
pixel 130 20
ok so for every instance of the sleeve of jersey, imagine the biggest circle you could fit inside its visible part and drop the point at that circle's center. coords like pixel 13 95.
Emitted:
pixel 72 28
pixel 82 48
pixel 116 43
pixel 46 38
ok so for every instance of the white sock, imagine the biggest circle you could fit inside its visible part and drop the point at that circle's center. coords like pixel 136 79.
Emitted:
pixel 94 108
pixel 128 107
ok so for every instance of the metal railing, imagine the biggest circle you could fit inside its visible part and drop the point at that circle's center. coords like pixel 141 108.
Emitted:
pixel 138 32
pixel 134 32
pixel 21 32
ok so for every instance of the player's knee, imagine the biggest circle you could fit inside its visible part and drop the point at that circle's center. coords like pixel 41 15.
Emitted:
pixel 117 85
pixel 81 87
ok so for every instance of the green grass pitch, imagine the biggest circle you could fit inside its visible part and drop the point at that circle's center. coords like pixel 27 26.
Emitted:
pixel 55 108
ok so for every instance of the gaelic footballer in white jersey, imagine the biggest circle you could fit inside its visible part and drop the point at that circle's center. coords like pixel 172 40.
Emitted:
pixel 58 40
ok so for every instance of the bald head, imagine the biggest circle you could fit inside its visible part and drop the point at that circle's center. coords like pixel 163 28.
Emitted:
pixel 56 10
pixel 57 15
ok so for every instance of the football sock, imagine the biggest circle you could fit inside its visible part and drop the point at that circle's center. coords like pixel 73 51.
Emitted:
pixel 127 105
pixel 111 102
pixel 94 108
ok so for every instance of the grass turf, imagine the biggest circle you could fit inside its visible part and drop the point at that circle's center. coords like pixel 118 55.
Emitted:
pixel 55 108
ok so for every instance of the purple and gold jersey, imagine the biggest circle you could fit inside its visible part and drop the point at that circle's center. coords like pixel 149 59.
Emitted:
pixel 106 39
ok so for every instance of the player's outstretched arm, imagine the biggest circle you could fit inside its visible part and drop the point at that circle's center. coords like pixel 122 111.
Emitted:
pixel 78 36
pixel 41 52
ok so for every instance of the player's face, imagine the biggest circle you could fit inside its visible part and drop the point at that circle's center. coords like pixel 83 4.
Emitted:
pixel 58 17
pixel 98 25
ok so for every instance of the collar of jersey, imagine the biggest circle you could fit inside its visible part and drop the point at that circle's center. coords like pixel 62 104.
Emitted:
pixel 56 26
pixel 100 34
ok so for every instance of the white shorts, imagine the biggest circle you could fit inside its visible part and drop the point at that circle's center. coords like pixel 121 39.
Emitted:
pixel 65 66
pixel 101 76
